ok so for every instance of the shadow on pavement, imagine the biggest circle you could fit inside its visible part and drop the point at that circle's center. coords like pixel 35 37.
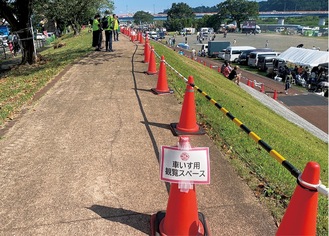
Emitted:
pixel 134 219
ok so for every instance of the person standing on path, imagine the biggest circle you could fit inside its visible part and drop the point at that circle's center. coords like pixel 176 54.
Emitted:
pixel 97 33
pixel 108 33
pixel 115 28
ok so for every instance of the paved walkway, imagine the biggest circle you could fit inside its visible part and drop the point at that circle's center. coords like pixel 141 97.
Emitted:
pixel 84 159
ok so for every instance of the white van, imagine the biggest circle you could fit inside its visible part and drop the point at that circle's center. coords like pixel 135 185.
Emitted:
pixel 253 57
pixel 232 52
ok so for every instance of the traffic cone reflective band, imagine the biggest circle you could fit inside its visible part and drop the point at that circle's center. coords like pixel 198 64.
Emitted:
pixel 182 216
pixel 146 53
pixel 162 85
pixel 152 65
pixel 275 95
pixel 300 216
pixel 187 122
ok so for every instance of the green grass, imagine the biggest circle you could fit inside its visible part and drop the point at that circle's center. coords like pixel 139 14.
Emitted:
pixel 268 178
pixel 270 181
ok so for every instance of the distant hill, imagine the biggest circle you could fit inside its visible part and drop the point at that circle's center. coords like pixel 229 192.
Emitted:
pixel 293 5
pixel 277 5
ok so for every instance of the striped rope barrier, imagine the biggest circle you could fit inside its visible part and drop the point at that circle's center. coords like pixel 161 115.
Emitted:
pixel 322 189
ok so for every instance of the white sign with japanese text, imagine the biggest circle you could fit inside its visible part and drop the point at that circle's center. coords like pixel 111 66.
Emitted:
pixel 178 165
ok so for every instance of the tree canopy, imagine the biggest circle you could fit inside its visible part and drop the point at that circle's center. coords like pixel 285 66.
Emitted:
pixel 180 15
pixel 238 10
pixel 142 17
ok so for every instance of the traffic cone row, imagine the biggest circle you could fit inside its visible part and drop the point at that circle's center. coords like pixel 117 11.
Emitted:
pixel 182 217
pixel 187 123
pixel 152 65
pixel 162 85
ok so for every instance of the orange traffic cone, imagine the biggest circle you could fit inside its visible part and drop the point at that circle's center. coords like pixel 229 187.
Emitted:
pixel 182 216
pixel 252 84
pixel 146 53
pixel 248 82
pixel 162 85
pixel 141 39
pixel 275 95
pixel 262 88
pixel 218 69
pixel 152 67
pixel 187 122
pixel 300 216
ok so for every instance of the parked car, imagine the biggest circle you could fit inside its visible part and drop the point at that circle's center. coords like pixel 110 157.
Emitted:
pixel 40 36
pixel 244 56
pixel 183 46
pixel 153 35
pixel 265 62
pixel 3 39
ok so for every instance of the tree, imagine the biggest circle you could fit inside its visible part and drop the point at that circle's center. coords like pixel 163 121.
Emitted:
pixel 73 12
pixel 179 16
pixel 141 17
pixel 17 14
pixel 238 10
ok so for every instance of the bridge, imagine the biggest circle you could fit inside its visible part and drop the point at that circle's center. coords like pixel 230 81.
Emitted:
pixel 323 15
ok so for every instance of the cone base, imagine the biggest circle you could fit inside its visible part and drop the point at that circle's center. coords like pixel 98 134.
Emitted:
pixel 159 216
pixel 176 132
pixel 151 72
pixel 157 92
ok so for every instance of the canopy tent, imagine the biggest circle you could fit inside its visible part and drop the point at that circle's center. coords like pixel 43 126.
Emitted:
pixel 304 57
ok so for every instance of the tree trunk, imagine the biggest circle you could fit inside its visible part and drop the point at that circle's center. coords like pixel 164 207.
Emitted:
pixel 27 47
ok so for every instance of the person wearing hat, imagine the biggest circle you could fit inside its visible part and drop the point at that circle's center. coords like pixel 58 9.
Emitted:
pixel 234 75
pixel 97 33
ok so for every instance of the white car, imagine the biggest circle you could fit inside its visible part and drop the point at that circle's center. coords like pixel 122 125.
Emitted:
pixel 3 39
pixel 40 36
pixel 153 35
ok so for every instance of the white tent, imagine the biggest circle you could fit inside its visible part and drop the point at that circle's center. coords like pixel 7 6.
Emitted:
pixel 304 57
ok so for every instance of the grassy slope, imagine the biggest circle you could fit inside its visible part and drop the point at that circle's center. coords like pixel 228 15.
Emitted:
pixel 295 144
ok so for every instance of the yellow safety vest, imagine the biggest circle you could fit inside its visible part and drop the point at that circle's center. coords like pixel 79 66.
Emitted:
pixel 95 25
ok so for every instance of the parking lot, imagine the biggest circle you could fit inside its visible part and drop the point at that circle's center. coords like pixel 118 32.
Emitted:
pixel 276 41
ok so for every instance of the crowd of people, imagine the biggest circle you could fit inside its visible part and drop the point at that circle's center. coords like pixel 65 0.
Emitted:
pixel 311 78
pixel 110 25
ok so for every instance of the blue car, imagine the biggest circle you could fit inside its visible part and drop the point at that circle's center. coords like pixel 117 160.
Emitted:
pixel 183 46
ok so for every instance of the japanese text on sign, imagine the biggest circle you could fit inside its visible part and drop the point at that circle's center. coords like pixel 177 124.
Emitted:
pixel 181 165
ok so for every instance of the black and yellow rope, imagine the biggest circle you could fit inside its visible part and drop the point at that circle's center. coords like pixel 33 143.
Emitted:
pixel 293 170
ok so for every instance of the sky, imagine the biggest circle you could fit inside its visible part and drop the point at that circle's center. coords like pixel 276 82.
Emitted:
pixel 153 6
